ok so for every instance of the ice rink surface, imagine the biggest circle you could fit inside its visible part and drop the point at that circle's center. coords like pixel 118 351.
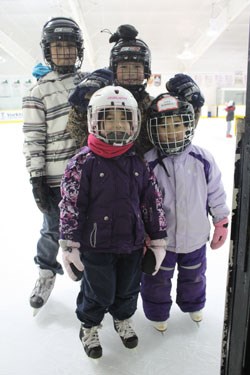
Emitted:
pixel 48 344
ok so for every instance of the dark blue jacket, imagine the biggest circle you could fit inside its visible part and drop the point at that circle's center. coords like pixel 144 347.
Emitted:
pixel 108 204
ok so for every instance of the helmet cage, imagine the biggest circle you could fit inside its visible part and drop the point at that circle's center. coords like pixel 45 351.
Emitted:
pixel 171 130
pixel 66 30
pixel 104 105
pixel 134 50
pixel 115 136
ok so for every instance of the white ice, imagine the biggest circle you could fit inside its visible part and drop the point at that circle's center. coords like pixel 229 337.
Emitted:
pixel 49 344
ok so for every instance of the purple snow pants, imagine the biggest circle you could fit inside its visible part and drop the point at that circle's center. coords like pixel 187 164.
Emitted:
pixel 191 285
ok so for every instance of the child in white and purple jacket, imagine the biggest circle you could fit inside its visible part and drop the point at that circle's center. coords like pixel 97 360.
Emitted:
pixel 192 190
pixel 109 200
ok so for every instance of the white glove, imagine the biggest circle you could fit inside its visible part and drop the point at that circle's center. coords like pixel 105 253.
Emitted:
pixel 71 259
pixel 158 247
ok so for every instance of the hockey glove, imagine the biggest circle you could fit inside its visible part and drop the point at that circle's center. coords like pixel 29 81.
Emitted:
pixel 220 234
pixel 40 191
pixel 154 256
pixel 91 83
pixel 40 70
pixel 71 259
pixel 182 85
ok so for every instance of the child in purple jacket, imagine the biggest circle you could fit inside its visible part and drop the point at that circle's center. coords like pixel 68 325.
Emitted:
pixel 191 185
pixel 109 200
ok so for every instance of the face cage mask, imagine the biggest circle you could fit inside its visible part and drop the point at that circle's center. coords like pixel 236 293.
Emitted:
pixel 131 52
pixel 67 68
pixel 125 59
pixel 131 76
pixel 117 135
pixel 176 140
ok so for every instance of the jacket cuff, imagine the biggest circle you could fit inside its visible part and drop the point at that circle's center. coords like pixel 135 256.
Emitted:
pixel 37 173
pixel 66 244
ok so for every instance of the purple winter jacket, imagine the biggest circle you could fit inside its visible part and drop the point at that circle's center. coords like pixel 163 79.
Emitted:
pixel 108 204
pixel 192 187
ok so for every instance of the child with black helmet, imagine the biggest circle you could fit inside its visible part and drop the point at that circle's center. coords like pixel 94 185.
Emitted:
pixel 129 67
pixel 130 60
pixel 191 184
pixel 47 144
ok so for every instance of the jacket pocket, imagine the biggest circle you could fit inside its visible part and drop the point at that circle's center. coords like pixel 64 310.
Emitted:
pixel 139 230
pixel 97 232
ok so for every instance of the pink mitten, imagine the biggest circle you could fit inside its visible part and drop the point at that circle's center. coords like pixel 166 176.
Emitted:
pixel 220 234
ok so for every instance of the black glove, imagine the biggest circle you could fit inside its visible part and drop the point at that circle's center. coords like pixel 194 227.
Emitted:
pixel 183 86
pixel 40 191
pixel 148 262
pixel 79 98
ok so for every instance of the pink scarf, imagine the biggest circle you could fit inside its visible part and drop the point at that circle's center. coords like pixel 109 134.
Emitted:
pixel 104 149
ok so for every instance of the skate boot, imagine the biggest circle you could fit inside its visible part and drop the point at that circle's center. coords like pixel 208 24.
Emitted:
pixel 43 288
pixel 90 341
pixel 196 316
pixel 126 333
pixel 160 326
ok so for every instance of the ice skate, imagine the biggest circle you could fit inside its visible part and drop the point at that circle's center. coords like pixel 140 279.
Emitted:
pixel 42 290
pixel 160 326
pixel 126 333
pixel 196 316
pixel 90 341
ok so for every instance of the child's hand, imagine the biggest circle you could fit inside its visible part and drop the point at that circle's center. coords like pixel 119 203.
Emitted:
pixel 154 256
pixel 92 82
pixel 184 86
pixel 220 234
pixel 71 259
pixel 159 253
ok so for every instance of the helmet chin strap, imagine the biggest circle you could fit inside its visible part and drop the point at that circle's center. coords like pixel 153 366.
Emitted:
pixel 63 69
pixel 114 137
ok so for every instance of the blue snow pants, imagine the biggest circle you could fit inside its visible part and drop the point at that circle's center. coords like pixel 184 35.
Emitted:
pixel 110 283
pixel 47 246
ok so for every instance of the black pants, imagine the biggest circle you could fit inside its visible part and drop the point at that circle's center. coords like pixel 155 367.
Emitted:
pixel 111 283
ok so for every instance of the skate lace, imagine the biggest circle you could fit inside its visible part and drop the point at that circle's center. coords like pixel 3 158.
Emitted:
pixel 42 285
pixel 124 329
pixel 91 338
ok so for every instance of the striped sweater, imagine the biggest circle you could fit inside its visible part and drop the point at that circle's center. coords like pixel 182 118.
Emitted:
pixel 47 144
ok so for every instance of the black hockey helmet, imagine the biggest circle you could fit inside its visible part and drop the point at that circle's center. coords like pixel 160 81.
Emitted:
pixel 128 48
pixel 62 29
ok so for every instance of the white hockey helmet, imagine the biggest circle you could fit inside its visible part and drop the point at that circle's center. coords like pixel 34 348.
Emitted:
pixel 104 105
